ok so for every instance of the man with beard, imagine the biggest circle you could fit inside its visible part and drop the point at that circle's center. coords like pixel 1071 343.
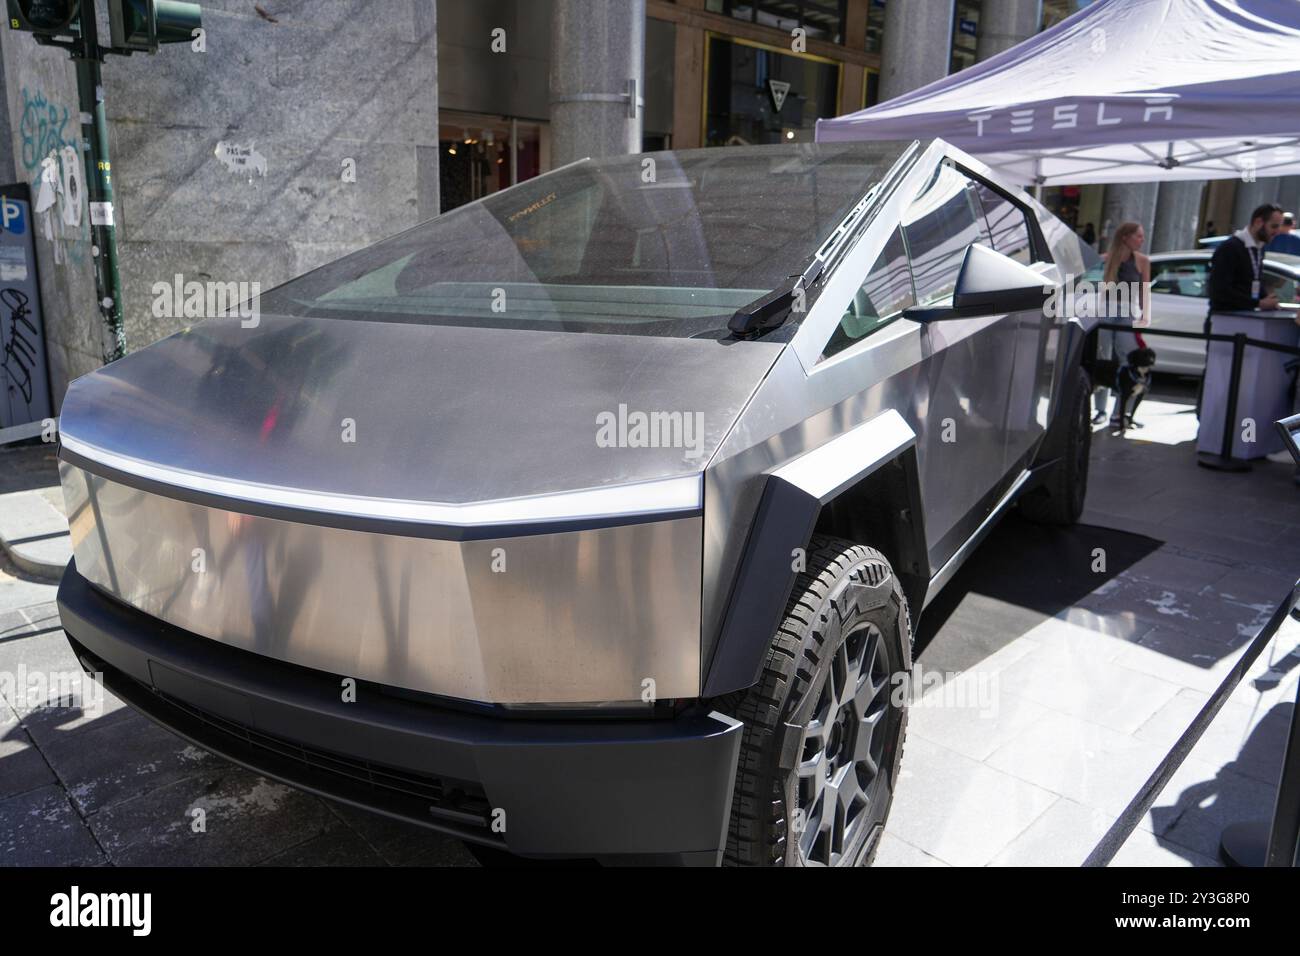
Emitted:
pixel 1235 283
pixel 1235 269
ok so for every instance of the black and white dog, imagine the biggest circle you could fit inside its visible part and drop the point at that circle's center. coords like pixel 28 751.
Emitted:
pixel 1131 383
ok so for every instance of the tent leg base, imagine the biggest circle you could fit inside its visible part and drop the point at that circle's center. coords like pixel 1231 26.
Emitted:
pixel 1244 843
pixel 1222 462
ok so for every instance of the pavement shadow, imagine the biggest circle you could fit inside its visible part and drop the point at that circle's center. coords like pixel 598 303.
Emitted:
pixel 84 781
pixel 1277 671
pixel 28 466
pixel 1192 825
pixel 1023 574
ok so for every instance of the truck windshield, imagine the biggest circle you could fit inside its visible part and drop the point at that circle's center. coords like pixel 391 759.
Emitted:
pixel 667 244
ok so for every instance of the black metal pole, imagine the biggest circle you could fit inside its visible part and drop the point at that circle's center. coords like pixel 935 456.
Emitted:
pixel 1284 838
pixel 88 57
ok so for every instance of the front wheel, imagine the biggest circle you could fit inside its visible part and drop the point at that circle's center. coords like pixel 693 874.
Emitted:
pixel 824 725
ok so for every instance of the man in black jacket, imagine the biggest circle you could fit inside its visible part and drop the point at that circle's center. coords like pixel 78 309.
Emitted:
pixel 1235 269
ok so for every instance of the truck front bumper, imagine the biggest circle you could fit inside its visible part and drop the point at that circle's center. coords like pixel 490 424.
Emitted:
pixel 613 789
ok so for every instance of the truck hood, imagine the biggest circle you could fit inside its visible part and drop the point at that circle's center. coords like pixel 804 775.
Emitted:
pixel 416 422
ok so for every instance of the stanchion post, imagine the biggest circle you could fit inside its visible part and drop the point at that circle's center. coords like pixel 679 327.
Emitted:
pixel 1224 460
pixel 1284 838
pixel 1234 385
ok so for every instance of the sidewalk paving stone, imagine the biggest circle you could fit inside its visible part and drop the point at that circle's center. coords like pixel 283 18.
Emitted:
pixel 105 765
pixel 34 533
pixel 895 852
pixel 337 847
pixel 1089 686
pixel 402 844
pixel 970 731
pixel 946 799
pixel 1093 765
pixel 40 828
pixel 22 766
pixel 246 819
pixel 1240 735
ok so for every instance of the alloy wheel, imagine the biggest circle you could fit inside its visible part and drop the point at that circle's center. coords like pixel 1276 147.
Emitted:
pixel 842 778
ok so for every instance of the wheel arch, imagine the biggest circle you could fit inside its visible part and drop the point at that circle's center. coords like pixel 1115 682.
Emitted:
pixel 1077 341
pixel 863 486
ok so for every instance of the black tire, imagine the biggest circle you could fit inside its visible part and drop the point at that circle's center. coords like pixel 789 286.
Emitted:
pixel 1059 499
pixel 848 604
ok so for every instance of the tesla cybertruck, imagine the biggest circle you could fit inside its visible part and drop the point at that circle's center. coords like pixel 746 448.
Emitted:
pixel 590 519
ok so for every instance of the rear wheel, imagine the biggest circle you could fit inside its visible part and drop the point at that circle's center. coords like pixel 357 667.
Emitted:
pixel 824 725
pixel 1059 499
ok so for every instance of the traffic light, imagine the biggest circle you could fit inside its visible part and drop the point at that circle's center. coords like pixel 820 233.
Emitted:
pixel 143 24
pixel 51 18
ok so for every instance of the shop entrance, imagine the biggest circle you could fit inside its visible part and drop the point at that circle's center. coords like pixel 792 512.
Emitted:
pixel 480 155
pixel 758 94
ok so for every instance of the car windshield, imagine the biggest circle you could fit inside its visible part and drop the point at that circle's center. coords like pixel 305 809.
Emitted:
pixel 667 244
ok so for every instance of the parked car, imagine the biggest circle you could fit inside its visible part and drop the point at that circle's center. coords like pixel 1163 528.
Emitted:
pixel 1180 301
pixel 591 519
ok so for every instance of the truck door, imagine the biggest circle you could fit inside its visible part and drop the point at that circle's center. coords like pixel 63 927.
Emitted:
pixel 960 409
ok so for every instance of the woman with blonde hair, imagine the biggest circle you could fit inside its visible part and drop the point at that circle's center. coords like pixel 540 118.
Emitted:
pixel 1128 267
pixel 1124 263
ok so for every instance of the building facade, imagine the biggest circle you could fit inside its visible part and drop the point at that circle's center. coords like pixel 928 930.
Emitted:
pixel 716 72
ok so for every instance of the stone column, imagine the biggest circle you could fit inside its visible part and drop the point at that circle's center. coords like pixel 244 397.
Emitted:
pixel 917 46
pixel 428 186
pixel 597 53
pixel 852 83
pixel 1126 202
pixel 1249 196
pixel 688 81
pixel 1004 23
pixel 1177 221
pixel 1288 193
pixel 8 171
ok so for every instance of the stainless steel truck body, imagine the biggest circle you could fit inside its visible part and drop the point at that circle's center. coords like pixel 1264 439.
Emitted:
pixel 565 486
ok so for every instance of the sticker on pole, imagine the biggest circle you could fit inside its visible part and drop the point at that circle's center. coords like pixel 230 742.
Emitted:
pixel 70 183
pixel 47 191
pixel 101 214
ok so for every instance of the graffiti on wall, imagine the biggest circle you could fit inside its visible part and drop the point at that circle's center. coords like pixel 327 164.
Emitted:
pixel 53 164
pixel 42 128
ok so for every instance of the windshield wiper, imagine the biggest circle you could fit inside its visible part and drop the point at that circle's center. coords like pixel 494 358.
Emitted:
pixel 770 311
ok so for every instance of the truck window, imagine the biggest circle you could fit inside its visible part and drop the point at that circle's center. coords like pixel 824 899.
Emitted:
pixel 943 221
pixel 884 294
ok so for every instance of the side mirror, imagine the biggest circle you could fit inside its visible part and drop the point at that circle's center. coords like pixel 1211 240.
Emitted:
pixel 993 282
pixel 987 284
pixel 1290 429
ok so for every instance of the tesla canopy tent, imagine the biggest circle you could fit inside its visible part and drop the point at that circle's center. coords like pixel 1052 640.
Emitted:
pixel 1122 91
